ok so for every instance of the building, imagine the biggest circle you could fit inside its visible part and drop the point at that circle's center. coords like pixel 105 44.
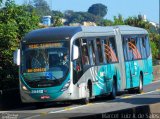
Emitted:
pixel 46 20
pixel 154 24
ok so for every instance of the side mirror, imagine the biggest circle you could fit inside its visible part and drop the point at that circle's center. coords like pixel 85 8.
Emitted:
pixel 75 52
pixel 16 57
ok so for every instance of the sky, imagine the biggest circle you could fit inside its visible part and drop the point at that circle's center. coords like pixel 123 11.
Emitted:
pixel 126 8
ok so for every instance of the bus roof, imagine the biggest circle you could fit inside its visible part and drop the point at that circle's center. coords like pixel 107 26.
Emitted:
pixel 65 32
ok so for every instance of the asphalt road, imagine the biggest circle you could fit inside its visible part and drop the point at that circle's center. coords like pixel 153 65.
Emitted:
pixel 150 95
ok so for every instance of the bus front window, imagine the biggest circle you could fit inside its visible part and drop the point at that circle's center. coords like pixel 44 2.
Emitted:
pixel 45 63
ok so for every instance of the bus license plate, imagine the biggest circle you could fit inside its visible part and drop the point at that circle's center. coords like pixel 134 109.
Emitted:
pixel 36 91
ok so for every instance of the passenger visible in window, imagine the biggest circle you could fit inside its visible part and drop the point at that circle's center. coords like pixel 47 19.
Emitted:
pixel 85 59
pixel 99 50
pixel 65 60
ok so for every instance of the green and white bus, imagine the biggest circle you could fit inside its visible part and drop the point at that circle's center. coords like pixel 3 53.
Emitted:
pixel 72 63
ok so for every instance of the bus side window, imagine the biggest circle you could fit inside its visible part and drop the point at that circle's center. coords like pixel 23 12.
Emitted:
pixel 99 49
pixel 77 64
pixel 114 50
pixel 143 47
pixel 110 50
pixel 147 45
pixel 130 51
pixel 133 50
pixel 85 54
pixel 92 52
pixel 139 47
pixel 107 50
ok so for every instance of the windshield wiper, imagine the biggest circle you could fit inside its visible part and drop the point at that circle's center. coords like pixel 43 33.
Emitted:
pixel 54 77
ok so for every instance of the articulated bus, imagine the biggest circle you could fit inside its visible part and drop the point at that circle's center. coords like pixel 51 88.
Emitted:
pixel 80 63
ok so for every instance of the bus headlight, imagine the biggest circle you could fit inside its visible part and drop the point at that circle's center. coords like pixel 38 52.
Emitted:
pixel 65 87
pixel 24 88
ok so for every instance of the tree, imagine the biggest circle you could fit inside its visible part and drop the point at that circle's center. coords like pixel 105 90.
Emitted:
pixel 15 22
pixel 79 17
pixel 98 10
pixel 57 22
pixel 119 20
pixel 155 45
pixel 41 7
pixel 138 22
pixel 29 8
pixel 57 14
pixel 106 22
pixel 68 13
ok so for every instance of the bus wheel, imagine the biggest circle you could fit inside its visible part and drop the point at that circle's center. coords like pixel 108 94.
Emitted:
pixel 140 88
pixel 114 90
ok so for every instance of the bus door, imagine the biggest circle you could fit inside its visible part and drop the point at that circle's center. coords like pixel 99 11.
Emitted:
pixel 101 69
pixel 133 56
pixel 95 57
pixel 111 59
pixel 126 62
pixel 145 51
pixel 109 55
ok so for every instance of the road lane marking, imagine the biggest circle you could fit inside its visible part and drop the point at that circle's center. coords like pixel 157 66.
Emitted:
pixel 32 117
pixel 43 113
pixel 158 89
pixel 139 94
pixel 89 104
pixel 56 111
pixel 67 109
pixel 142 92
pixel 125 97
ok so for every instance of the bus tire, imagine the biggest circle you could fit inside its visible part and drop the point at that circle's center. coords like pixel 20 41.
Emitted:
pixel 140 87
pixel 114 90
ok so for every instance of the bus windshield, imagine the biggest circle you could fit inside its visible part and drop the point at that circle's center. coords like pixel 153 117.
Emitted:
pixel 49 61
